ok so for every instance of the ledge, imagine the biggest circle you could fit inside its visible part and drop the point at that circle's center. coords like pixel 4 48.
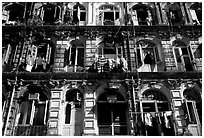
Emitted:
pixel 144 28
pixel 101 76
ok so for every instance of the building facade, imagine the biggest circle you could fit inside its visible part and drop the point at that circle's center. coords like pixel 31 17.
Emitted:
pixel 101 68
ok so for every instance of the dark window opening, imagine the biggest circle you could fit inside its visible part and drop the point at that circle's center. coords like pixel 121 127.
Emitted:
pixel 83 16
pixel 117 15
pixel 16 12
pixel 148 107
pixel 75 16
pixel 109 51
pixel 73 56
pixel 109 16
pixel 68 114
pixel 80 58
pixel 51 14
pixel 76 97
pixel 39 114
pixel 142 16
pixel 33 111
pixel 112 105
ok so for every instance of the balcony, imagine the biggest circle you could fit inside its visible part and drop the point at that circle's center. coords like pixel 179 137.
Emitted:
pixel 31 130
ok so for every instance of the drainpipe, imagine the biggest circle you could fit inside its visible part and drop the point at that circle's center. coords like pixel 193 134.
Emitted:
pixel 128 51
pixel 10 105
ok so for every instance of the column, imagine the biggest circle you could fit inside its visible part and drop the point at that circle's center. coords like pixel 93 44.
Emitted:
pixel 90 122
pixel 55 116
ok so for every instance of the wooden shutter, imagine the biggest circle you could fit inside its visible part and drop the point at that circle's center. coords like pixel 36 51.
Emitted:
pixel 32 113
pixel 45 114
pixel 7 54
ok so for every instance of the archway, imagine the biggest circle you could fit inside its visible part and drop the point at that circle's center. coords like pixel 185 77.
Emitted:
pixel 74 113
pixel 112 113
pixel 154 114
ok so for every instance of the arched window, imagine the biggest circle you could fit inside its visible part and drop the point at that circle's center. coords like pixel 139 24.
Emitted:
pixel 33 107
pixel 155 113
pixel 49 13
pixel 141 14
pixel 39 56
pixel 74 113
pixel 79 14
pixel 74 56
pixel 112 105
pixel 148 56
pixel 15 13
pixel 183 55
pixel 193 106
pixel 108 15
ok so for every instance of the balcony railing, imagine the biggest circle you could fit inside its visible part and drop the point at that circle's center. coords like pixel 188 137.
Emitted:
pixel 31 130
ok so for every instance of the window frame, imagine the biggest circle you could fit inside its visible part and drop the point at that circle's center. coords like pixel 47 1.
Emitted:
pixel 28 117
pixel 113 9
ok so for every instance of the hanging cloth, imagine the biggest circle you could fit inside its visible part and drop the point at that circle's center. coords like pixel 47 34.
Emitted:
pixel 31 57
pixel 166 120
pixel 148 119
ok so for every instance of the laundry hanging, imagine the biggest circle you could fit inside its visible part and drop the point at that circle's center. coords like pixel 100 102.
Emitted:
pixel 148 119
pixel 31 57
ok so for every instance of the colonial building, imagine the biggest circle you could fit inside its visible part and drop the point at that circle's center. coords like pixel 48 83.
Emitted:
pixel 101 68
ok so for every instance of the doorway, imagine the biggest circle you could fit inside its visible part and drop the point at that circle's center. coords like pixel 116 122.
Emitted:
pixel 112 113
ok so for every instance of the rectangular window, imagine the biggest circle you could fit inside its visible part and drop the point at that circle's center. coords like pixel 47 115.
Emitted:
pixel 32 113
pixel 68 114
pixel 39 114
pixel 73 56
pixel 80 57
pixel 83 16
pixel 149 107
pixel 109 16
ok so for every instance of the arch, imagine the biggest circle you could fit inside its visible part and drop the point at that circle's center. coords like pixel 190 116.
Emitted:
pixel 158 87
pixel 77 43
pixel 16 11
pixel 192 94
pixel 155 95
pixel 73 94
pixel 51 13
pixel 150 39
pixel 111 102
pixel 102 89
pixel 141 6
pixel 33 88
pixel 107 6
